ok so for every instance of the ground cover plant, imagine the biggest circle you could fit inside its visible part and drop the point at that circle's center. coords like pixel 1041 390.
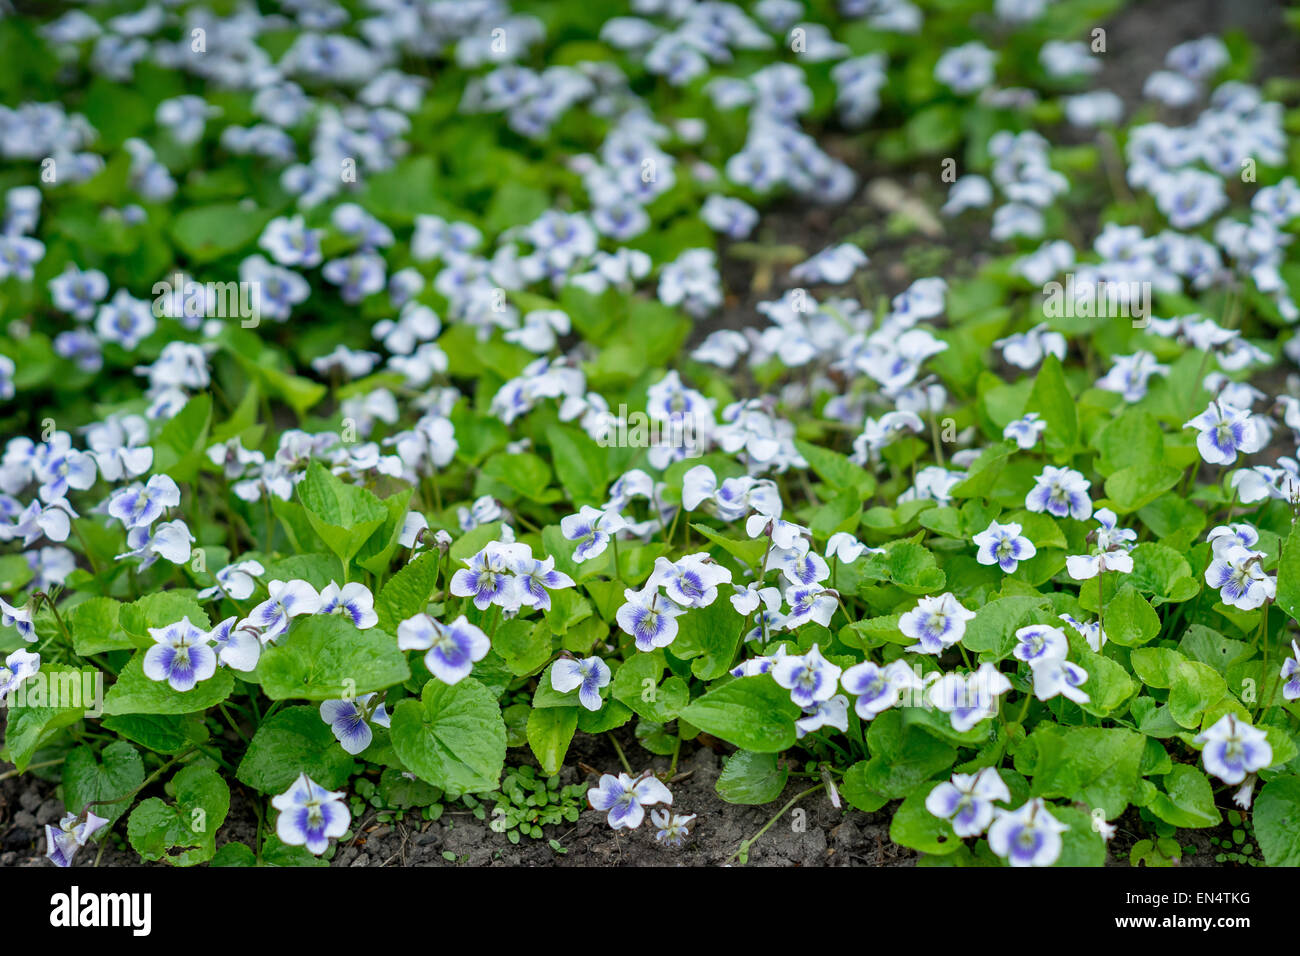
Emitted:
pixel 383 427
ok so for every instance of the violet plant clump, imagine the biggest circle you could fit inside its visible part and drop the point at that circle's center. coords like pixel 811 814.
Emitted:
pixel 378 442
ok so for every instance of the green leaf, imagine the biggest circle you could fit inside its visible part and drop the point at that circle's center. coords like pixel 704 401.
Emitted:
pixel 524 644
pixel 708 637
pixel 207 233
pixel 407 592
pixel 88 780
pixel 1195 687
pixel 1136 486
pixel 752 713
pixel 1096 766
pixel 1277 821
pixel 293 741
pixel 1081 845
pixel 1108 685
pixel 550 730
pixel 748 551
pixel 162 733
pixel 1208 646
pixel 376 553
pixel 992 632
pixel 161 609
pixel 855 790
pixel 750 779
pixel 1134 438
pixel 157 829
pixel 234 854
pixel 180 446
pixel 1052 400
pixel 1288 575
pixel 31 717
pixel 916 827
pixel 527 475
pixel 1156 666
pixel 581 464
pixel 1162 572
pixel 454 737
pixel 609 717
pixel 94 628
pixel 136 694
pixel 326 657
pixel 636 684
pixel 317 569
pixel 298 392
pixel 343 515
pixel 397 195
pixel 1187 800
pixel 982 478
pixel 909 565
pixel 1130 620
pixel 836 469
pixel 902 758
pixel 842 513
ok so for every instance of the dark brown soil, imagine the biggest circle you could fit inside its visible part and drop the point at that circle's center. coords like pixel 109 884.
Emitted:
pixel 818 836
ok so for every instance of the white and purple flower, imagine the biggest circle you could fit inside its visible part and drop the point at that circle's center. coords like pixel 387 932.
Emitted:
pixel 625 799
pixel 18 666
pixel 1060 492
pixel 534 580
pixel 1234 749
pixel 1025 432
pixel 1055 676
pixel 181 656
pixel 649 617
pixel 968 699
pixel 587 676
pixel 1029 836
pixel 139 506
pixel 967 800
pixel 72 833
pixel 1240 578
pixel 1226 431
pixel 1110 551
pixel 810 678
pixel 310 815
pixel 452 649
pixel 592 529
pixel 1004 545
pixel 288 599
pixel 936 623
pixel 237 646
pixel 1290 674
pixel 878 688
pixel 350 720
pixel 1040 642
pixel 352 601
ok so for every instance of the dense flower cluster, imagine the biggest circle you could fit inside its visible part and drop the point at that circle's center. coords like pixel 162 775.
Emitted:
pixel 343 363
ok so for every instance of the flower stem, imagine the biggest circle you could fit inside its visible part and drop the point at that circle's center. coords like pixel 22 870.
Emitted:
pixel 677 750
pixel 1101 604
pixel 742 853
pixel 90 557
pixel 1263 636
pixel 31 766
pixel 622 758
pixel 147 780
